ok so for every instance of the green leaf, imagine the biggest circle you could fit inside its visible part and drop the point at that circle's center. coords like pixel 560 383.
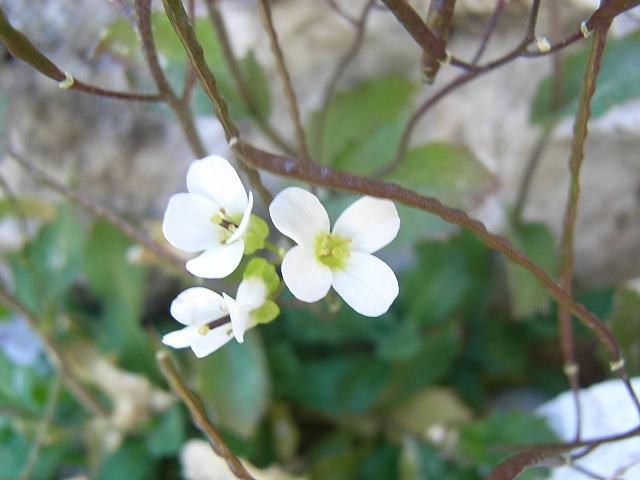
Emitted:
pixel 120 40
pixel 431 363
pixel 448 276
pixel 539 245
pixel 625 325
pixel 168 434
pixel 50 262
pixel 362 125
pixel 451 174
pixel 131 461
pixel 234 384
pixel 121 287
pixel 338 384
pixel 482 442
pixel 617 81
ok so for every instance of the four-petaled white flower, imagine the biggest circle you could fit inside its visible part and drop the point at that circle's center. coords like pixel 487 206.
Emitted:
pixel 211 218
pixel 204 312
pixel 342 257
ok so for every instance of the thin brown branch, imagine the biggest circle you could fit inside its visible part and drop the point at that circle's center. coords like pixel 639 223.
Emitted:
pixel 341 67
pixel 177 105
pixel 565 274
pixel 132 232
pixel 327 177
pixel 184 29
pixel 199 416
pixel 289 93
pixel 241 85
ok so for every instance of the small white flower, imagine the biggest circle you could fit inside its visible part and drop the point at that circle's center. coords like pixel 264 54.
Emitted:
pixel 211 218
pixel 203 313
pixel 341 258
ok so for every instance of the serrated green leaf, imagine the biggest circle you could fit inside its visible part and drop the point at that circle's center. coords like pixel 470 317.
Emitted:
pixel 362 125
pixel 234 384
pixel 625 325
pixel 617 81
pixel 539 245
pixel 451 174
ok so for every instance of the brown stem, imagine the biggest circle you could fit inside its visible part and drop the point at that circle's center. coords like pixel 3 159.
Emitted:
pixel 565 275
pixel 199 416
pixel 493 22
pixel 182 26
pixel 289 93
pixel 346 60
pixel 179 108
pixel 241 85
pixel 132 232
pixel 527 178
pixel 327 177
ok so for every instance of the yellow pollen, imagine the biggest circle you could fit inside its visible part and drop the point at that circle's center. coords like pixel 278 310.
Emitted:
pixel 337 252
pixel 203 330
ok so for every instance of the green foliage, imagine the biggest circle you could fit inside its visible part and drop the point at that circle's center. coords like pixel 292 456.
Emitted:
pixel 481 441
pixel 49 263
pixel 539 245
pixel 361 127
pixel 625 325
pixel 120 286
pixel 617 81
pixel 235 384
pixel 120 40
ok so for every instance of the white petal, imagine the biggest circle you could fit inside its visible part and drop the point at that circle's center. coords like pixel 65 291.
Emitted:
pixel 212 341
pixel 239 318
pixel 198 306
pixel 252 293
pixel 299 215
pixel 367 284
pixel 370 223
pixel 307 279
pixel 215 178
pixel 217 263
pixel 181 338
pixel 244 224
pixel 187 223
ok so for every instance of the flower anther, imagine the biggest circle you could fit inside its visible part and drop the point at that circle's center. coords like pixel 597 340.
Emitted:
pixel 342 257
pixel 212 218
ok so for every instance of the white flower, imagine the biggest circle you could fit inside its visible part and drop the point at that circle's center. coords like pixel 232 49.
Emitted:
pixel 203 313
pixel 211 218
pixel 341 258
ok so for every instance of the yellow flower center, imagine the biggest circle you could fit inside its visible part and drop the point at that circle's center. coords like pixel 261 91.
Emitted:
pixel 332 250
pixel 221 218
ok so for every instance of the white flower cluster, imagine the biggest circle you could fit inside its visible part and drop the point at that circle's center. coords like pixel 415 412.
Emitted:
pixel 215 220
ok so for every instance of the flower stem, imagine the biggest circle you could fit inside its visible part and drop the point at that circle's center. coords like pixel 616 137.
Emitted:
pixel 199 416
